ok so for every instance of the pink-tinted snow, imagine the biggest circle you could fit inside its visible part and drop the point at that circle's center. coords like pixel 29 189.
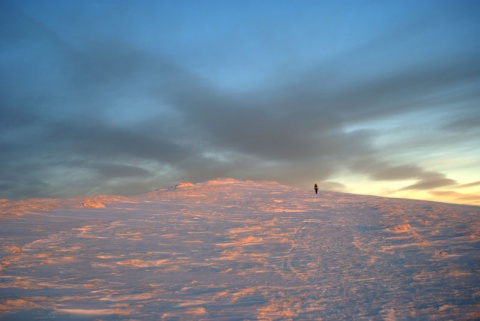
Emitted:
pixel 239 250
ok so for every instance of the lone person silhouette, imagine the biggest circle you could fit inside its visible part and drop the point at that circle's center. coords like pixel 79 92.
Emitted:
pixel 315 187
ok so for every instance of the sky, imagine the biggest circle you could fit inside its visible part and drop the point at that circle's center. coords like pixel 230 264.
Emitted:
pixel 124 97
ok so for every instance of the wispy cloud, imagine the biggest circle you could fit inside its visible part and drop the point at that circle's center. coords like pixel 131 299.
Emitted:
pixel 457 197
pixel 469 184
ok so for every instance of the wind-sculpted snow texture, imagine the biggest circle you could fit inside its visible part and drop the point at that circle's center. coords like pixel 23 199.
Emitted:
pixel 234 250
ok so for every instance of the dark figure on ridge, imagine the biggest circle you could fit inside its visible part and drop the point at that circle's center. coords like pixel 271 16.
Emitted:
pixel 315 187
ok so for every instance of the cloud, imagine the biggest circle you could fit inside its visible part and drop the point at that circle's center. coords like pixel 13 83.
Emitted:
pixel 435 181
pixel 469 185
pixel 109 170
pixel 98 140
pixel 400 172
pixel 458 197
pixel 466 124
pixel 386 171
pixel 332 186
pixel 18 185
pixel 107 107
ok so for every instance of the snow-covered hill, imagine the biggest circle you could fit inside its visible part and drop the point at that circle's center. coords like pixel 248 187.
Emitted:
pixel 239 250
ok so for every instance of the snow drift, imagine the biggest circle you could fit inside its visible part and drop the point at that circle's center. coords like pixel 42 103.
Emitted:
pixel 239 250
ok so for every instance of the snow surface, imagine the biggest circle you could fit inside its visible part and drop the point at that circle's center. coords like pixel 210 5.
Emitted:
pixel 239 250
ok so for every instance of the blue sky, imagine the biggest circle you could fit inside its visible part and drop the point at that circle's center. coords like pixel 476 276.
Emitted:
pixel 122 97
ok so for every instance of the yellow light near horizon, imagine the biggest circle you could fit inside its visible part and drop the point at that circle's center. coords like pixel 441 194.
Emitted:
pixel 449 194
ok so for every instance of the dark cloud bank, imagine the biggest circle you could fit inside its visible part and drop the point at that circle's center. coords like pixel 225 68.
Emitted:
pixel 60 134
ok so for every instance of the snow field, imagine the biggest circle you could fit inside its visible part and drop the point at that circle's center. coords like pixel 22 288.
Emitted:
pixel 234 250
